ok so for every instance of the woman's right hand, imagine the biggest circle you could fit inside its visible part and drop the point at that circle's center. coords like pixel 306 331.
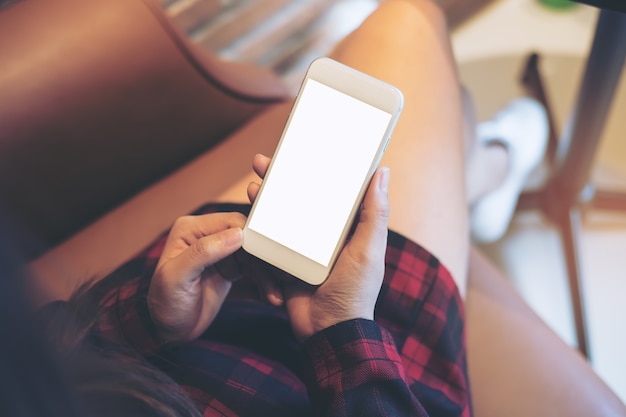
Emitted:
pixel 187 290
pixel 351 290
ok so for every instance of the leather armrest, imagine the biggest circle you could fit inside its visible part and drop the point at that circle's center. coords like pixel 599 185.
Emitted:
pixel 101 98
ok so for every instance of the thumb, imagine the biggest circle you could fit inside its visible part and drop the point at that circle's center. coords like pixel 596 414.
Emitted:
pixel 371 230
pixel 203 253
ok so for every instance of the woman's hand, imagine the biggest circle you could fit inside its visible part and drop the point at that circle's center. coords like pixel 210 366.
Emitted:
pixel 186 291
pixel 352 288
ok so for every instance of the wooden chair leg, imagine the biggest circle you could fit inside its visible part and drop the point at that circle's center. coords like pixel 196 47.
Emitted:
pixel 566 218
pixel 568 189
pixel 570 229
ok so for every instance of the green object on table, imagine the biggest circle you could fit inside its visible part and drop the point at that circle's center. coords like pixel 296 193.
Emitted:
pixel 558 4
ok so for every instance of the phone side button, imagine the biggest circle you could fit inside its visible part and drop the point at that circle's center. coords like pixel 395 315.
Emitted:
pixel 386 144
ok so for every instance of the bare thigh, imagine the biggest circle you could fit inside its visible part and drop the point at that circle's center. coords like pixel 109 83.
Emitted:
pixel 406 44
pixel 517 365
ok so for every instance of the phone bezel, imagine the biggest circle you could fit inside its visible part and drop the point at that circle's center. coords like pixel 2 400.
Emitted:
pixel 364 88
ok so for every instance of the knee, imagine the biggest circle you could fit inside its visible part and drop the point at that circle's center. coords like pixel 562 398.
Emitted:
pixel 409 20
pixel 429 11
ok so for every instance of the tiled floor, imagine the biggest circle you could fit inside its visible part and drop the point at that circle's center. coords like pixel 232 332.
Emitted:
pixel 530 252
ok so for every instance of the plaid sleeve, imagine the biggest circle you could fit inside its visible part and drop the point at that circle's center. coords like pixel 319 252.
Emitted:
pixel 357 371
pixel 124 318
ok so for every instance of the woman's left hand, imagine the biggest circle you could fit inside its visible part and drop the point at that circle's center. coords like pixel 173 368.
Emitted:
pixel 187 291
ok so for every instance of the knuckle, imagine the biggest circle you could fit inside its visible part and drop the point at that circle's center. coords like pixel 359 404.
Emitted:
pixel 378 216
pixel 238 218
pixel 383 212
pixel 358 258
pixel 182 222
pixel 201 250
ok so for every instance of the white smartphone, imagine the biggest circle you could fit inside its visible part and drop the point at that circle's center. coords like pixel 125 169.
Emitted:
pixel 337 131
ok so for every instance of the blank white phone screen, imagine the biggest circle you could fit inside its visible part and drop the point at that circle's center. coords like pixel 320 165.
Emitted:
pixel 318 171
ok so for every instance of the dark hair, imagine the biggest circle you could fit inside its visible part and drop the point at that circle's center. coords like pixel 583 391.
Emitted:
pixel 31 381
pixel 7 3
pixel 52 368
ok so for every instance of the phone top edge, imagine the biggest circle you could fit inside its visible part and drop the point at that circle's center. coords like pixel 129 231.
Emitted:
pixel 355 83
pixel 358 85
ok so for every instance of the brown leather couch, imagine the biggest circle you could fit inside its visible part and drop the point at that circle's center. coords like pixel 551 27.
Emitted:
pixel 102 98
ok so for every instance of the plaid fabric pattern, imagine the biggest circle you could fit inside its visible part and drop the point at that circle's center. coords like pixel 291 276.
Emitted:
pixel 410 361
pixel 359 373
pixel 421 306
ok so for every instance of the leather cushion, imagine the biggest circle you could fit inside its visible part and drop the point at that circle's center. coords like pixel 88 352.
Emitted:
pixel 101 98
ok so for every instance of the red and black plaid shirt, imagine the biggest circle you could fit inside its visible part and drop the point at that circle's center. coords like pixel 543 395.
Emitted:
pixel 410 361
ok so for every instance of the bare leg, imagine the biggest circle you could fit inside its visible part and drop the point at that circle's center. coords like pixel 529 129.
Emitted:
pixel 517 365
pixel 486 165
pixel 406 44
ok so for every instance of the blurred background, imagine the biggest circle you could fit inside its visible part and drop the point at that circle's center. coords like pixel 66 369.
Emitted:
pixel 491 49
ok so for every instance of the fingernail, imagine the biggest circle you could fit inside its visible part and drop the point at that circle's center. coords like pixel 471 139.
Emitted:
pixel 383 183
pixel 232 237
pixel 278 300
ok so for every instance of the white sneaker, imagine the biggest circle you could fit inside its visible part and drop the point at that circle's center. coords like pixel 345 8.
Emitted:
pixel 522 127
